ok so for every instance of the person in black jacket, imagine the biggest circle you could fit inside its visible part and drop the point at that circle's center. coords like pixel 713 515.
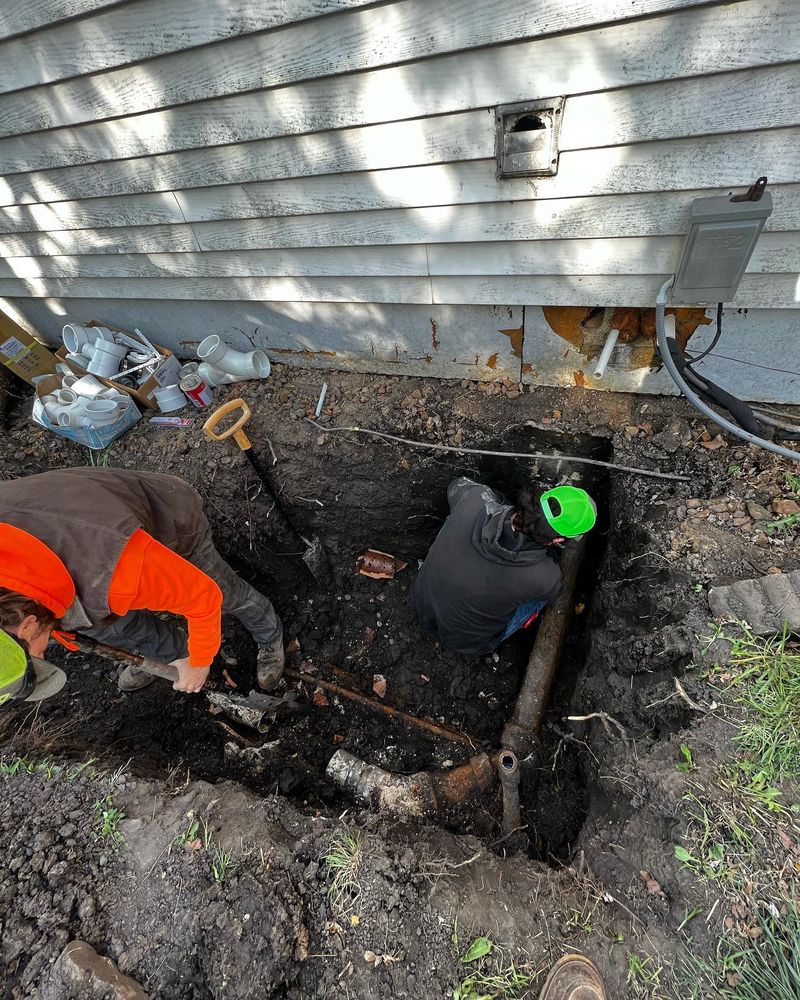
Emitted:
pixel 494 565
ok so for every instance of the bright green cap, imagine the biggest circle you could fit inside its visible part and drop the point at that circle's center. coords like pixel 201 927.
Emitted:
pixel 13 664
pixel 569 510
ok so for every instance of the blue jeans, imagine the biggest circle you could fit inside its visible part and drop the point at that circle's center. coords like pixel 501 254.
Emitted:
pixel 520 616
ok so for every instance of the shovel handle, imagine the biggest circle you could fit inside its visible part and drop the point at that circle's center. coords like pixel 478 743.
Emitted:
pixel 236 430
pixel 155 667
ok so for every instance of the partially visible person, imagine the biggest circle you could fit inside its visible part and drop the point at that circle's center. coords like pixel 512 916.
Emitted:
pixel 102 551
pixel 494 565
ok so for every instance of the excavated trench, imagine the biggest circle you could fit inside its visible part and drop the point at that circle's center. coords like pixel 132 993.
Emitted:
pixel 356 634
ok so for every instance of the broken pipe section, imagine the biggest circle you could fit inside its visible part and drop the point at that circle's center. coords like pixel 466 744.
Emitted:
pixel 410 796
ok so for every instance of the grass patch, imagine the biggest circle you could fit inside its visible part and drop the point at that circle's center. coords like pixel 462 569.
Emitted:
pixel 644 975
pixel 766 969
pixel 493 976
pixel 765 682
pixel 343 862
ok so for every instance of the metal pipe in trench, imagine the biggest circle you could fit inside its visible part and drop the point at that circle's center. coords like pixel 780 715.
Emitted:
pixel 410 796
pixel 508 769
pixel 520 732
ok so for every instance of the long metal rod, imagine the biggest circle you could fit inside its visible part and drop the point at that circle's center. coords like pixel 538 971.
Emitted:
pixel 520 732
pixel 442 732
pixel 155 667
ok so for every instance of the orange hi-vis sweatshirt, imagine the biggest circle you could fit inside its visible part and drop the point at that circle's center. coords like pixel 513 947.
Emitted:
pixel 151 577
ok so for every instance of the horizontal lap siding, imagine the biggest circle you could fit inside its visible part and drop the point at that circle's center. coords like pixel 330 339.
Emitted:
pixel 317 152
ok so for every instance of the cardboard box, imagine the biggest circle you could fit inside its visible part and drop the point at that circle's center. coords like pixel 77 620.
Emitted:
pixel 95 438
pixel 166 374
pixel 22 353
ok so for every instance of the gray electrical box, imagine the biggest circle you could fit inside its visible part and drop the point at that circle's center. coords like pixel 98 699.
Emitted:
pixel 722 236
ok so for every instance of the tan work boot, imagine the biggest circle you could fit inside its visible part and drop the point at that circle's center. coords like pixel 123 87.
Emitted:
pixel 270 663
pixel 132 679
pixel 573 977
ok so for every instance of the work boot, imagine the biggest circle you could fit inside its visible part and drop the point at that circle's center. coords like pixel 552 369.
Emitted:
pixel 132 679
pixel 573 977
pixel 270 663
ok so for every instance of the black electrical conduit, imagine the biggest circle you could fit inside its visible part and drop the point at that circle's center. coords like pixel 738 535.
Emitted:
pixel 736 406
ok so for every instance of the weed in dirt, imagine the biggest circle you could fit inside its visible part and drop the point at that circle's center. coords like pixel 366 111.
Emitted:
pixel 99 460
pixel 107 818
pixel 494 977
pixel 765 969
pixel 644 976
pixel 344 861
pixel 793 484
pixel 783 526
pixel 222 864
pixel 687 763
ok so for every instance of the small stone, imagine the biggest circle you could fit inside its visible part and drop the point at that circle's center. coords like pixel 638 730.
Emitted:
pixel 785 507
pixel 693 504
pixel 757 512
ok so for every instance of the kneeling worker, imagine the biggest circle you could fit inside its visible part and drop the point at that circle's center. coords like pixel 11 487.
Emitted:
pixel 494 565
pixel 98 551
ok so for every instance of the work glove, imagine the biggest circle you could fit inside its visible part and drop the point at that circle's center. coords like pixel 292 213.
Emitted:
pixel 190 679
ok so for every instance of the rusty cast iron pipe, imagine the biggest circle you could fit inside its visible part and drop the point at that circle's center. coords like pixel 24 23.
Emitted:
pixel 155 667
pixel 508 769
pixel 441 732
pixel 520 732
pixel 410 796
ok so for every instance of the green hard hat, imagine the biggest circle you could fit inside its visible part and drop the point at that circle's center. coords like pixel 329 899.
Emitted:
pixel 569 510
pixel 13 666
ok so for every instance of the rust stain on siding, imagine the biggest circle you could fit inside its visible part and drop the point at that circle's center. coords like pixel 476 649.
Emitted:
pixel 515 335
pixel 302 354
pixel 492 362
pixel 434 332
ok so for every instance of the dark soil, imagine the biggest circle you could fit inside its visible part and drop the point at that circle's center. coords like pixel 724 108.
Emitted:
pixel 641 606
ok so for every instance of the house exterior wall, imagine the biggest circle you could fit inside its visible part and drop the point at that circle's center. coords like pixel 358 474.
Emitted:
pixel 319 176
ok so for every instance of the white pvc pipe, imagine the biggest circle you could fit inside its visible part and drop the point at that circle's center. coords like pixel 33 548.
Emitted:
pixel 250 364
pixel 605 354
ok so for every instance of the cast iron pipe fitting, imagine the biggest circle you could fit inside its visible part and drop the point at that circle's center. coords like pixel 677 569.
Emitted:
pixel 410 796
pixel 508 769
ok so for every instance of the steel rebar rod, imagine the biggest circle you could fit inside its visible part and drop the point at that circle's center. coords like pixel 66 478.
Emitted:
pixel 521 730
pixel 442 732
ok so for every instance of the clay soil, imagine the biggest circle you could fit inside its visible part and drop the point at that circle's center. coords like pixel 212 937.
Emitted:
pixel 600 805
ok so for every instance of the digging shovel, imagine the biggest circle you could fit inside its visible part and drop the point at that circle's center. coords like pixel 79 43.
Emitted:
pixel 314 556
pixel 255 710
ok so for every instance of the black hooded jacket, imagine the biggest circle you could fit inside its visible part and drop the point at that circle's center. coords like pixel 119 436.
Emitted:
pixel 479 571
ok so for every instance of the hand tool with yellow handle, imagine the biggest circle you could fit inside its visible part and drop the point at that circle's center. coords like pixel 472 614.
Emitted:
pixel 314 556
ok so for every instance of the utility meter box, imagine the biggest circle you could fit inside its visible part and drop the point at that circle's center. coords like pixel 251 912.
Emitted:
pixel 721 239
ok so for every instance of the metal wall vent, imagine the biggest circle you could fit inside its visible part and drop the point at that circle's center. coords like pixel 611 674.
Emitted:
pixel 527 138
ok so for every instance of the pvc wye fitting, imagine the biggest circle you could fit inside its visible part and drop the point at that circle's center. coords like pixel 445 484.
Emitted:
pixel 214 376
pixel 252 364
pixel 106 359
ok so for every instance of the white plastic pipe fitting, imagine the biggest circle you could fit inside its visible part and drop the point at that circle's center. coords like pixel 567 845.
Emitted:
pixel 214 376
pixel 243 364
pixel 75 337
pixel 605 354
pixel 170 398
pixel 89 413
pixel 88 386
pixel 106 359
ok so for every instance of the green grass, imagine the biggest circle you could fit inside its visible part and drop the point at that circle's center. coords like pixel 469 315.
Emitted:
pixel 644 975
pixel 793 484
pixel 766 969
pixel 343 861
pixel 107 818
pixel 47 767
pixel 766 684
pixel 493 977
pixel 222 864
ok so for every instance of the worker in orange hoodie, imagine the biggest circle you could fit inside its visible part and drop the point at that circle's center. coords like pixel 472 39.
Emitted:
pixel 101 551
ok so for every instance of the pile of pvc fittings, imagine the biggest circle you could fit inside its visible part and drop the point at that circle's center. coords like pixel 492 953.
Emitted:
pixel 221 364
pixel 84 402
pixel 116 356
pixel 111 354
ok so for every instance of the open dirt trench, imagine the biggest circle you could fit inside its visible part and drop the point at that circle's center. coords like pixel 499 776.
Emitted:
pixel 583 815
